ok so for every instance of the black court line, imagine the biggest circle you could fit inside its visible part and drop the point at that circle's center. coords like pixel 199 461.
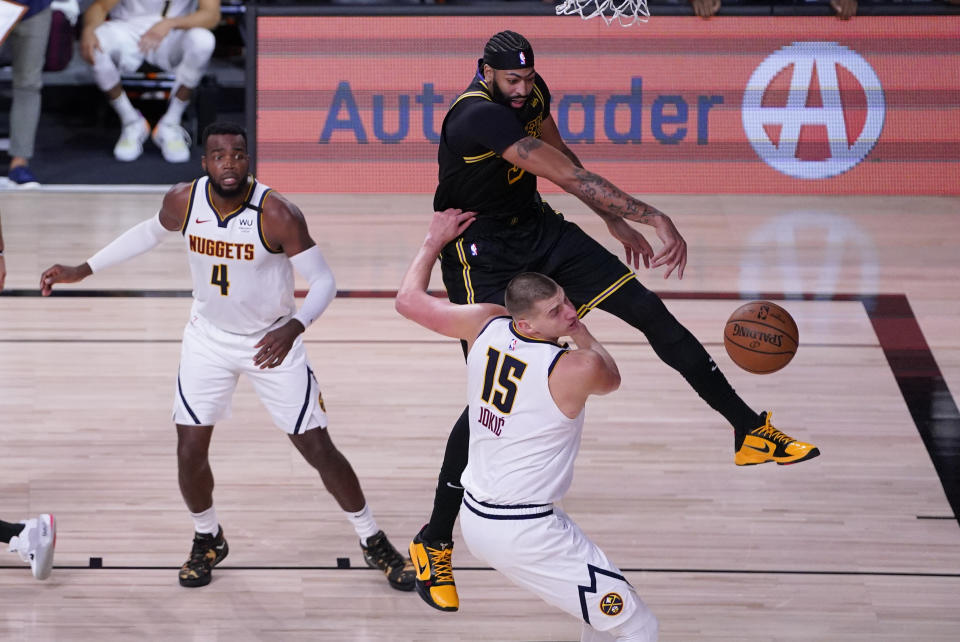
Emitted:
pixel 872 346
pixel 460 569
pixel 928 399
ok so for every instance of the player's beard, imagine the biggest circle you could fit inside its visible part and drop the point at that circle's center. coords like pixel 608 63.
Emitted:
pixel 500 97
pixel 227 193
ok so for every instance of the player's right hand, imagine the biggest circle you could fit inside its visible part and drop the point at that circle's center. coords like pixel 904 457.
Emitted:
pixel 62 274
pixel 89 45
pixel 448 225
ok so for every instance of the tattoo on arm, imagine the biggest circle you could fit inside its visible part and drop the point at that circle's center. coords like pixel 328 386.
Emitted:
pixel 609 201
pixel 527 145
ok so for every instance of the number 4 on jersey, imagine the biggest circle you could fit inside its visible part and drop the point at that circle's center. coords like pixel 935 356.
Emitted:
pixel 219 278
pixel 507 372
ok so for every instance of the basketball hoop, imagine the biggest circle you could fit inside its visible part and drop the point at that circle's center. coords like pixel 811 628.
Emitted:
pixel 626 12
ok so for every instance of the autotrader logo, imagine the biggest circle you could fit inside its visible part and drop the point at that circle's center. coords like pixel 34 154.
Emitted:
pixel 813 109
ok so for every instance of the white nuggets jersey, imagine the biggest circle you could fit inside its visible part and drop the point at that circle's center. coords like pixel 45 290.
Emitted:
pixel 522 447
pixel 130 9
pixel 240 284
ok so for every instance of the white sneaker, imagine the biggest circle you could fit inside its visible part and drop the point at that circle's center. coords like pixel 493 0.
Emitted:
pixel 35 544
pixel 132 136
pixel 173 141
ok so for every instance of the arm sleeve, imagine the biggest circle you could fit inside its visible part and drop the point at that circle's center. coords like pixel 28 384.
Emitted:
pixel 134 242
pixel 483 124
pixel 311 265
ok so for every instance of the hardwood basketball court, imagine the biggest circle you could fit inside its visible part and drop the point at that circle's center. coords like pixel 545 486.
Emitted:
pixel 861 543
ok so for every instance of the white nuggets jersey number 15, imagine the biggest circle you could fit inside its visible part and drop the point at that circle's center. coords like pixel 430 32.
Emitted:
pixel 240 284
pixel 522 447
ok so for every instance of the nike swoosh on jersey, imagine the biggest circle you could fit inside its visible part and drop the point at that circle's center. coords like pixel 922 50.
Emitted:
pixel 206 220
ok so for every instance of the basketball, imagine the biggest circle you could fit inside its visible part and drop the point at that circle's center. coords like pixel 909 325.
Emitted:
pixel 761 337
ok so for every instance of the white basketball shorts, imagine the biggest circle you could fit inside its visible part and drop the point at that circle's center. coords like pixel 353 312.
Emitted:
pixel 211 362
pixel 539 548
pixel 120 39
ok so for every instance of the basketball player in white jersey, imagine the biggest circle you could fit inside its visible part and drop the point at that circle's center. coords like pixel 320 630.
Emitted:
pixel 243 241
pixel 174 35
pixel 526 396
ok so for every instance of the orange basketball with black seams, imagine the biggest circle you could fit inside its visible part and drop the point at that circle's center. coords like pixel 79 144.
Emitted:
pixel 761 337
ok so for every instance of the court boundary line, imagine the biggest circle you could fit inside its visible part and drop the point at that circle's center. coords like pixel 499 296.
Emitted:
pixel 920 380
pixel 707 571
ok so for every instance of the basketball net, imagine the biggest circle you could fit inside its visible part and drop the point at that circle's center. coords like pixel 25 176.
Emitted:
pixel 626 12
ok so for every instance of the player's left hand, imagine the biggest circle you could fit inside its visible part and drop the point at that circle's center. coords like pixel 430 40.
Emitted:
pixel 275 344
pixel 673 254
pixel 635 246
pixel 151 40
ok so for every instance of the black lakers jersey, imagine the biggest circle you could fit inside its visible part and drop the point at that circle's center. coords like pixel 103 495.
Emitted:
pixel 476 130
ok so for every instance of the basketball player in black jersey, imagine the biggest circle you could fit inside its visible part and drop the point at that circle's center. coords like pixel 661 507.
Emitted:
pixel 496 139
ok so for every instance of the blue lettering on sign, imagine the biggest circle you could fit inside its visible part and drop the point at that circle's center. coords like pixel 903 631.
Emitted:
pixel 343 100
pixel 634 104
pixel 403 118
pixel 669 116
pixel 428 99
pixel 586 103
pixel 658 119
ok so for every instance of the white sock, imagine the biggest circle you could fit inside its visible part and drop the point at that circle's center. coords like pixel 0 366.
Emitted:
pixel 174 111
pixel 125 109
pixel 206 522
pixel 363 522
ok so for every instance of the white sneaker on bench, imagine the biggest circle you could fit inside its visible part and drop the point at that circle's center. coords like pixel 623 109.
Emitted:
pixel 132 136
pixel 173 141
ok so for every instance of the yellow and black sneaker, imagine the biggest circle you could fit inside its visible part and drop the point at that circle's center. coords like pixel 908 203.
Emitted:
pixel 766 443
pixel 380 553
pixel 434 562
pixel 208 551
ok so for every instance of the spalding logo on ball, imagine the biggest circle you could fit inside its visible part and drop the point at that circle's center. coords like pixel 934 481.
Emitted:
pixel 761 337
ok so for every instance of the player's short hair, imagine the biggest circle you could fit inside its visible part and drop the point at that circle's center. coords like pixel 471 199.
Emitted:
pixel 526 289
pixel 508 50
pixel 223 127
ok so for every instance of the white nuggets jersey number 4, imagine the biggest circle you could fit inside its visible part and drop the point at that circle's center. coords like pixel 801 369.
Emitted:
pixel 240 284
pixel 522 447
pixel 127 9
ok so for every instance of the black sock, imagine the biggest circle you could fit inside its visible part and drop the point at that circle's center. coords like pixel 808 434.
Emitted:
pixel 8 531
pixel 449 493
pixel 680 350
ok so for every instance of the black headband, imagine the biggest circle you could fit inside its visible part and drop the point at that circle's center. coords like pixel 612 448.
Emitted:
pixel 516 59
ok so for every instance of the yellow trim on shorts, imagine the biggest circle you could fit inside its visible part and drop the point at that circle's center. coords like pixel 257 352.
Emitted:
pixel 466 270
pixel 597 300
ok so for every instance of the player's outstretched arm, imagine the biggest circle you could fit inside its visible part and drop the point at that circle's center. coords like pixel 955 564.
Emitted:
pixel 602 196
pixel 441 316
pixel 635 246
pixel 138 239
